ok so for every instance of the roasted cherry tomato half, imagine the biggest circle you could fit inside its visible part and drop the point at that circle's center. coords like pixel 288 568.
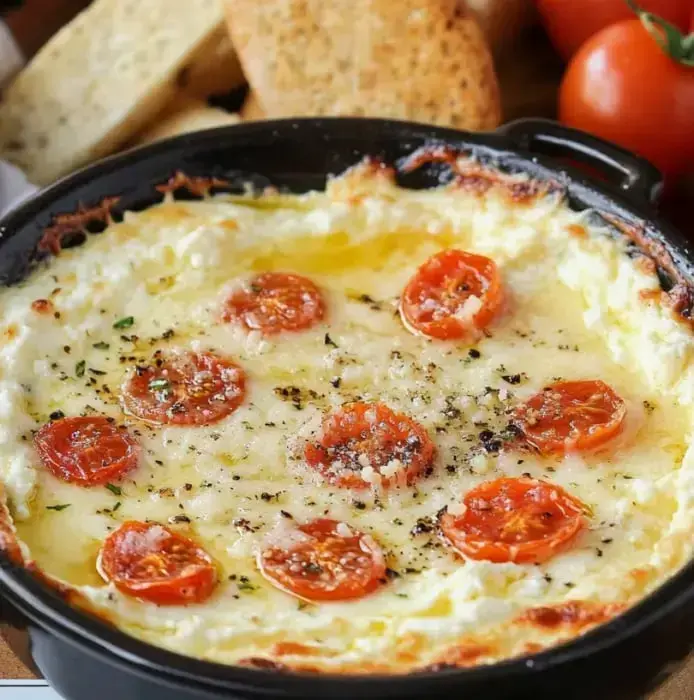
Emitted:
pixel 518 520
pixel 453 296
pixel 574 416
pixel 184 388
pixel 363 445
pixel 88 450
pixel 150 562
pixel 325 561
pixel 273 302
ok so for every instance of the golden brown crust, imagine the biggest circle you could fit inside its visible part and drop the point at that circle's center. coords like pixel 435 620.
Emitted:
pixel 463 654
pixel 577 231
pixel 680 297
pixel 424 61
pixel 65 225
pixel 477 178
pixel 576 615
pixel 198 186
pixel 261 663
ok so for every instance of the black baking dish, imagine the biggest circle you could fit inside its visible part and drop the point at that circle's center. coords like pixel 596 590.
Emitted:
pixel 84 658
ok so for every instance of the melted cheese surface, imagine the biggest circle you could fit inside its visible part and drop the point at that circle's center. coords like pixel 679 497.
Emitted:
pixel 575 311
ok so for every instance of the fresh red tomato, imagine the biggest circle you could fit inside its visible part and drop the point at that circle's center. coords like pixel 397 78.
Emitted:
pixel 623 87
pixel 520 520
pixel 435 300
pixel 184 388
pixel 571 416
pixel 86 450
pixel 152 563
pixel 274 302
pixel 570 23
pixel 325 561
pixel 362 436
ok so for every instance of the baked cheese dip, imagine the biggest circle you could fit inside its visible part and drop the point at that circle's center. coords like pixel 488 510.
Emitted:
pixel 363 430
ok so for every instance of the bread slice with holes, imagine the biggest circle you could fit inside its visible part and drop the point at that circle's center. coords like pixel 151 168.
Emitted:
pixel 424 60
pixel 99 81
pixel 183 116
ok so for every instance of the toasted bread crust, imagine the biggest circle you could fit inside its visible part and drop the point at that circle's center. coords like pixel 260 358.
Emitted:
pixel 183 116
pixel 424 62
pixel 85 94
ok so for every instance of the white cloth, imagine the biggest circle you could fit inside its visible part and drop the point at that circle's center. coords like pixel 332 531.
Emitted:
pixel 11 58
pixel 14 187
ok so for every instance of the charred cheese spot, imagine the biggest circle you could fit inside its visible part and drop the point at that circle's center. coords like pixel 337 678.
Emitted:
pixel 576 614
pixel 466 654
pixel 295 649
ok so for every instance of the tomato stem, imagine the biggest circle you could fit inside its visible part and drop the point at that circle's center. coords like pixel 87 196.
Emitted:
pixel 679 46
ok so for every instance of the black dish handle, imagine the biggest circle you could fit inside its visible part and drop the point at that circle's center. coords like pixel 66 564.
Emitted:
pixel 641 181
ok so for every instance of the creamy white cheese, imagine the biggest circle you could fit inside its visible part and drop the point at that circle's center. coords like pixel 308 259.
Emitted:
pixel 574 312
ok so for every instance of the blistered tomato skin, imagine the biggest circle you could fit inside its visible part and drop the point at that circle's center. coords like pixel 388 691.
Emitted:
pixel 364 445
pixel 86 450
pixel 152 563
pixel 325 561
pixel 184 388
pixel 273 302
pixel 454 295
pixel 520 520
pixel 578 416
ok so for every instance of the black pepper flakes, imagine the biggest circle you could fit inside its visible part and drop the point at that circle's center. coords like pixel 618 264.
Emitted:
pixel 511 378
pixel 243 525
pixel 329 341
pixel 180 518
pixel 490 442
pixel 423 526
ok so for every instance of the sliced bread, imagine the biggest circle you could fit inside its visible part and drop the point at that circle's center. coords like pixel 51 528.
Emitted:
pixel 99 81
pixel 424 60
pixel 214 69
pixel 186 115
